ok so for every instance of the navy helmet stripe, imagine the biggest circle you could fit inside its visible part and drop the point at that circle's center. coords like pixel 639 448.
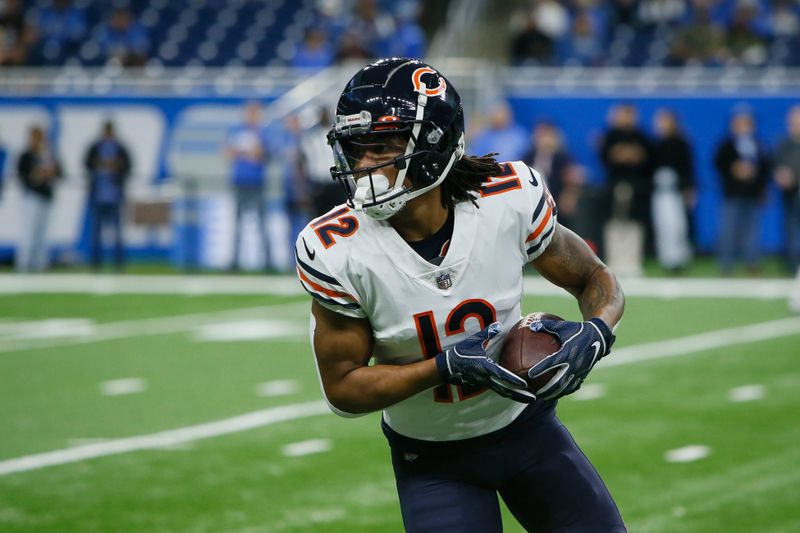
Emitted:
pixel 533 249
pixel 316 273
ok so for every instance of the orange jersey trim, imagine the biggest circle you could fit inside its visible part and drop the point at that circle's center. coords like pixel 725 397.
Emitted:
pixel 322 289
pixel 540 228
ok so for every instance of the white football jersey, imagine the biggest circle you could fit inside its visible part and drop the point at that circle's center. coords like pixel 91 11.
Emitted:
pixel 361 267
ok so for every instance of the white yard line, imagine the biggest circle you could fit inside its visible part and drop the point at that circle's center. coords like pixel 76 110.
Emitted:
pixel 155 326
pixel 123 386
pixel 687 454
pixel 623 356
pixel 171 437
pixel 288 285
pixel 307 447
pixel 703 341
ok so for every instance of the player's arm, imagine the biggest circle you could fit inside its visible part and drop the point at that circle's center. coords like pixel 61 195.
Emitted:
pixel 343 347
pixel 569 263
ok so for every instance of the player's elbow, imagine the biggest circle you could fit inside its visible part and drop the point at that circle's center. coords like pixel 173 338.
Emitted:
pixel 343 404
pixel 340 410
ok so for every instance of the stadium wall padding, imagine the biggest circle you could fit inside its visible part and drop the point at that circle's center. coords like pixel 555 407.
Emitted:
pixel 182 137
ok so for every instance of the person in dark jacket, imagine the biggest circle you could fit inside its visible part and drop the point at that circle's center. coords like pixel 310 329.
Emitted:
pixel 673 192
pixel 626 153
pixel 787 177
pixel 108 166
pixel 744 168
pixel 548 155
pixel 38 170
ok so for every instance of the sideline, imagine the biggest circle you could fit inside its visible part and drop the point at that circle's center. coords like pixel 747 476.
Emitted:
pixel 631 354
pixel 205 284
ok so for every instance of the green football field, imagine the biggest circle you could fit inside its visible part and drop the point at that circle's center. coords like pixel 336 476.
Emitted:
pixel 134 412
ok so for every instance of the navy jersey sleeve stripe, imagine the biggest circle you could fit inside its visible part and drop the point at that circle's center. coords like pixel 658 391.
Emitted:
pixel 314 272
pixel 538 209
pixel 533 249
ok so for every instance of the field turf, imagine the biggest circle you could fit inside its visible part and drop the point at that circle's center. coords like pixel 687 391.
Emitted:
pixel 191 360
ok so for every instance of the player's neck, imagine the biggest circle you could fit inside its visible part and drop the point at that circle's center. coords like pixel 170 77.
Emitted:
pixel 421 217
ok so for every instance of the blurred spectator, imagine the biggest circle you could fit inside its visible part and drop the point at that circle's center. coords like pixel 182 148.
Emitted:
pixel 61 28
pixel 372 27
pixel 501 135
pixel 784 18
pixel 316 161
pixel 408 39
pixel 246 149
pixel 108 166
pixel 16 37
pixel 531 45
pixel 743 167
pixel 315 51
pixel 38 171
pixel 351 48
pixel 623 12
pixel 552 18
pixel 548 155
pixel 295 193
pixel 661 12
pixel 787 176
pixel 626 154
pixel 673 192
pixel 3 157
pixel 699 43
pixel 743 42
pixel 584 46
pixel 124 40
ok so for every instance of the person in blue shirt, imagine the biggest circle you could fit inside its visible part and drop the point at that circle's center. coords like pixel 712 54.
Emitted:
pixel 3 156
pixel 246 149
pixel 61 27
pixel 108 166
pixel 315 51
pixel 124 40
pixel 501 135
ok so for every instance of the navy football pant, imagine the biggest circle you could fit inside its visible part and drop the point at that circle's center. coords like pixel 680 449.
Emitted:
pixel 533 464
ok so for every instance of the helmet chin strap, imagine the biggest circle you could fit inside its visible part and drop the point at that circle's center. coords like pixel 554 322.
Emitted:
pixel 378 186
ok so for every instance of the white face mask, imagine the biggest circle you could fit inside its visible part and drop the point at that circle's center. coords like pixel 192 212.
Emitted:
pixel 368 191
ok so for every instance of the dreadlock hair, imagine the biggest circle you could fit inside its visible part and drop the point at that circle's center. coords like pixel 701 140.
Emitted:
pixel 465 178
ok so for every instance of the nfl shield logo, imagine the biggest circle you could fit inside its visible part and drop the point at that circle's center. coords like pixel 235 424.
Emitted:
pixel 443 281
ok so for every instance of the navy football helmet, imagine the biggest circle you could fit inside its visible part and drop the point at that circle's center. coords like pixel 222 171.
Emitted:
pixel 402 100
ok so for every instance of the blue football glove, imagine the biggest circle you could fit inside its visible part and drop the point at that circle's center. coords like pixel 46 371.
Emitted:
pixel 466 363
pixel 582 345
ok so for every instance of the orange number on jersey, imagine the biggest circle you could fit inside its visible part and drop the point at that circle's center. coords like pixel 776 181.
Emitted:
pixel 428 336
pixel 344 226
pixel 507 181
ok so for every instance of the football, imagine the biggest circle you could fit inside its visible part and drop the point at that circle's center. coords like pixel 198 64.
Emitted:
pixel 523 348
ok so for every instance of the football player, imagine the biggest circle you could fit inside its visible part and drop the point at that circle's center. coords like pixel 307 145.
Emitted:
pixel 421 270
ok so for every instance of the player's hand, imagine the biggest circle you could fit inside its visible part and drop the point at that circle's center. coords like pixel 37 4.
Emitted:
pixel 466 363
pixel 582 345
